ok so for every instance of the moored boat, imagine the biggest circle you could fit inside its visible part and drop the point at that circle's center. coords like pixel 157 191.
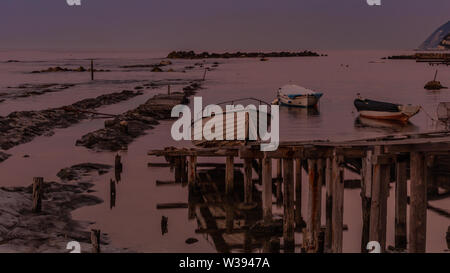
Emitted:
pixel 297 96
pixel 385 110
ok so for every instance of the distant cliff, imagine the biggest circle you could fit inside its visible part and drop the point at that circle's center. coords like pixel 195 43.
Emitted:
pixel 440 39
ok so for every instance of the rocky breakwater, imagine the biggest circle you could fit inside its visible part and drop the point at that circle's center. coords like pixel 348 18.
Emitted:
pixel 122 130
pixel 227 55
pixel 21 127
pixel 50 230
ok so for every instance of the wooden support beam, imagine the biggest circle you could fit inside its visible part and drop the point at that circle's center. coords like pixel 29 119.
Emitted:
pixel 229 175
pixel 366 198
pixel 178 169
pixel 267 189
pixel 328 205
pixel 288 205
pixel 38 184
pixel 400 204
pixel 279 183
pixel 299 222
pixel 418 205
pixel 380 192
pixel 338 204
pixel 248 182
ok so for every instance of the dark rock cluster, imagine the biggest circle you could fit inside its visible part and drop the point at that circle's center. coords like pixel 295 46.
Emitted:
pixel 207 55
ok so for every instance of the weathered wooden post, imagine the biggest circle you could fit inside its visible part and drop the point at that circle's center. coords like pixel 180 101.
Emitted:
pixel 118 163
pixel 400 202
pixel 380 192
pixel 112 190
pixel 418 205
pixel 337 217
pixel 267 189
pixel 95 240
pixel 328 205
pixel 92 69
pixel 184 171
pixel 204 74
pixel 229 177
pixel 192 171
pixel 248 182
pixel 432 188
pixel 315 173
pixel 366 198
pixel 38 184
pixel 288 202
pixel 299 222
pixel 168 89
pixel 178 175
pixel 279 193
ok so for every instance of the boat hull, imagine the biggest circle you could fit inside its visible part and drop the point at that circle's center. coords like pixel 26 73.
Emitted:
pixel 385 111
pixel 398 116
pixel 302 101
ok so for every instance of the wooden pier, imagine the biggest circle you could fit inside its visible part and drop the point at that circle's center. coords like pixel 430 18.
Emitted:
pixel 380 161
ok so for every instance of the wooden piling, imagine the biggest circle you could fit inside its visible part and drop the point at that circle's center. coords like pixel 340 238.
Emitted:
pixel 315 173
pixel 95 240
pixel 184 170
pixel 418 205
pixel 380 191
pixel 299 222
pixel 288 204
pixel 112 190
pixel 400 203
pixel 92 69
pixel 248 182
pixel 328 205
pixel 38 184
pixel 178 175
pixel 168 89
pixel 192 169
pixel 267 189
pixel 279 185
pixel 229 177
pixel 366 198
pixel 118 163
pixel 337 217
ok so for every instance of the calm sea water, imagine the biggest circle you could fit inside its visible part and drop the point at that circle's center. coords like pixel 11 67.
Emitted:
pixel 135 223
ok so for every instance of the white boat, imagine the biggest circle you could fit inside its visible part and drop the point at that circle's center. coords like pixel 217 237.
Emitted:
pixel 297 96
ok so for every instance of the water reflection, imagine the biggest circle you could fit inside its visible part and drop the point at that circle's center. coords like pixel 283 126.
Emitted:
pixel 298 112
pixel 385 125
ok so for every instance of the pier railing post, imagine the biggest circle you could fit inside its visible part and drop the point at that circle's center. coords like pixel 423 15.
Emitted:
pixel 400 203
pixel 229 177
pixel 38 184
pixel 338 204
pixel 248 182
pixel 267 189
pixel 418 205
pixel 288 204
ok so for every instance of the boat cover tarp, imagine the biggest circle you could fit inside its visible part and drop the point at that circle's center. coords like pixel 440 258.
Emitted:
pixel 372 105
pixel 293 91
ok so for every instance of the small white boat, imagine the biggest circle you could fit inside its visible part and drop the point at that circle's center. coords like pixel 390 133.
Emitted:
pixel 297 96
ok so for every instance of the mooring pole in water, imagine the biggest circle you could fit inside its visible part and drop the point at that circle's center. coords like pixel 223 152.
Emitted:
pixel 366 198
pixel 298 194
pixel 279 193
pixel 248 182
pixel 204 74
pixel 229 175
pixel 168 89
pixel 267 189
pixel 435 75
pixel 328 205
pixel 401 202
pixel 112 190
pixel 380 191
pixel 418 204
pixel 338 204
pixel 95 240
pixel 118 163
pixel 288 204
pixel 38 184
pixel 92 69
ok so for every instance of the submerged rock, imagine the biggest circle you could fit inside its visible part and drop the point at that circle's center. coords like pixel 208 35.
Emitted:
pixel 191 241
pixel 434 85
pixel 76 172
pixel 4 156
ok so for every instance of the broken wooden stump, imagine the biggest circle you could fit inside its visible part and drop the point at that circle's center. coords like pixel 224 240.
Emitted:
pixel 38 184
